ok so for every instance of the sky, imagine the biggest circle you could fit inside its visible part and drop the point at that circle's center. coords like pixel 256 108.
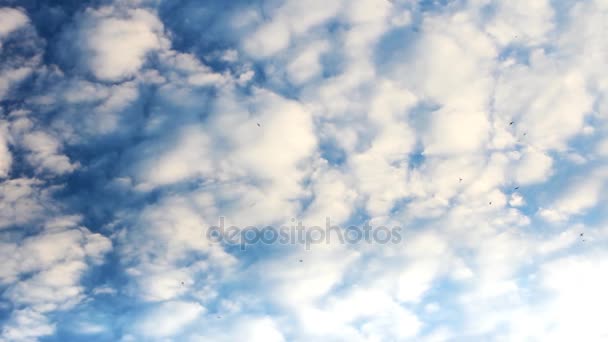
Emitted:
pixel 474 130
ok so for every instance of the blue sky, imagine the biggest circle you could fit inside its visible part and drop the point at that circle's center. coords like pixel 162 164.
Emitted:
pixel 129 127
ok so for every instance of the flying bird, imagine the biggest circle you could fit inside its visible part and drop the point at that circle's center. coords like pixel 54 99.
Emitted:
pixel 516 188
pixel 459 179
pixel 259 125
pixel 582 234
pixel 511 123
pixel 300 260
pixel 490 203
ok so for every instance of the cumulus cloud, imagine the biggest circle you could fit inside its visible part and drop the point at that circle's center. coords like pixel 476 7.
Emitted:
pixel 23 201
pixel 116 41
pixel 11 19
pixel 477 127
pixel 44 153
pixel 6 157
pixel 15 65
pixel 42 274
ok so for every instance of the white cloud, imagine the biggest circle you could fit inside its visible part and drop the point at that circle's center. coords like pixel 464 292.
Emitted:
pixel 532 167
pixel 580 195
pixel 516 200
pixel 88 328
pixel 269 39
pixel 418 120
pixel 17 68
pixel 10 20
pixel 256 329
pixel 45 153
pixel 602 148
pixel 576 284
pixel 521 21
pixel 116 42
pixel 42 274
pixel 27 325
pixel 168 319
pixel 12 77
pixel 6 158
pixel 305 64
pixel 22 201
pixel 289 21
pixel 554 105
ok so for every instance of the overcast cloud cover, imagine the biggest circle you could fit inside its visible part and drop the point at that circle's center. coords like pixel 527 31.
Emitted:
pixel 128 127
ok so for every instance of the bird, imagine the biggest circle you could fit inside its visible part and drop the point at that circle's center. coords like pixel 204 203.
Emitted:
pixel 510 123
pixel 300 260
pixel 582 234
pixel 525 134
pixel 516 188
pixel 459 179
pixel 490 203
pixel 259 125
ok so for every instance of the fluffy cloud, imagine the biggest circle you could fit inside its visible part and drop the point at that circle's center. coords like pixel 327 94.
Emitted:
pixel 290 19
pixel 16 66
pixel 116 41
pixel 477 127
pixel 6 157
pixel 23 201
pixel 42 274
pixel 11 19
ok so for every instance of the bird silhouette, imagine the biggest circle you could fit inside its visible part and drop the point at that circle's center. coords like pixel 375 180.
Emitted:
pixel 259 125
